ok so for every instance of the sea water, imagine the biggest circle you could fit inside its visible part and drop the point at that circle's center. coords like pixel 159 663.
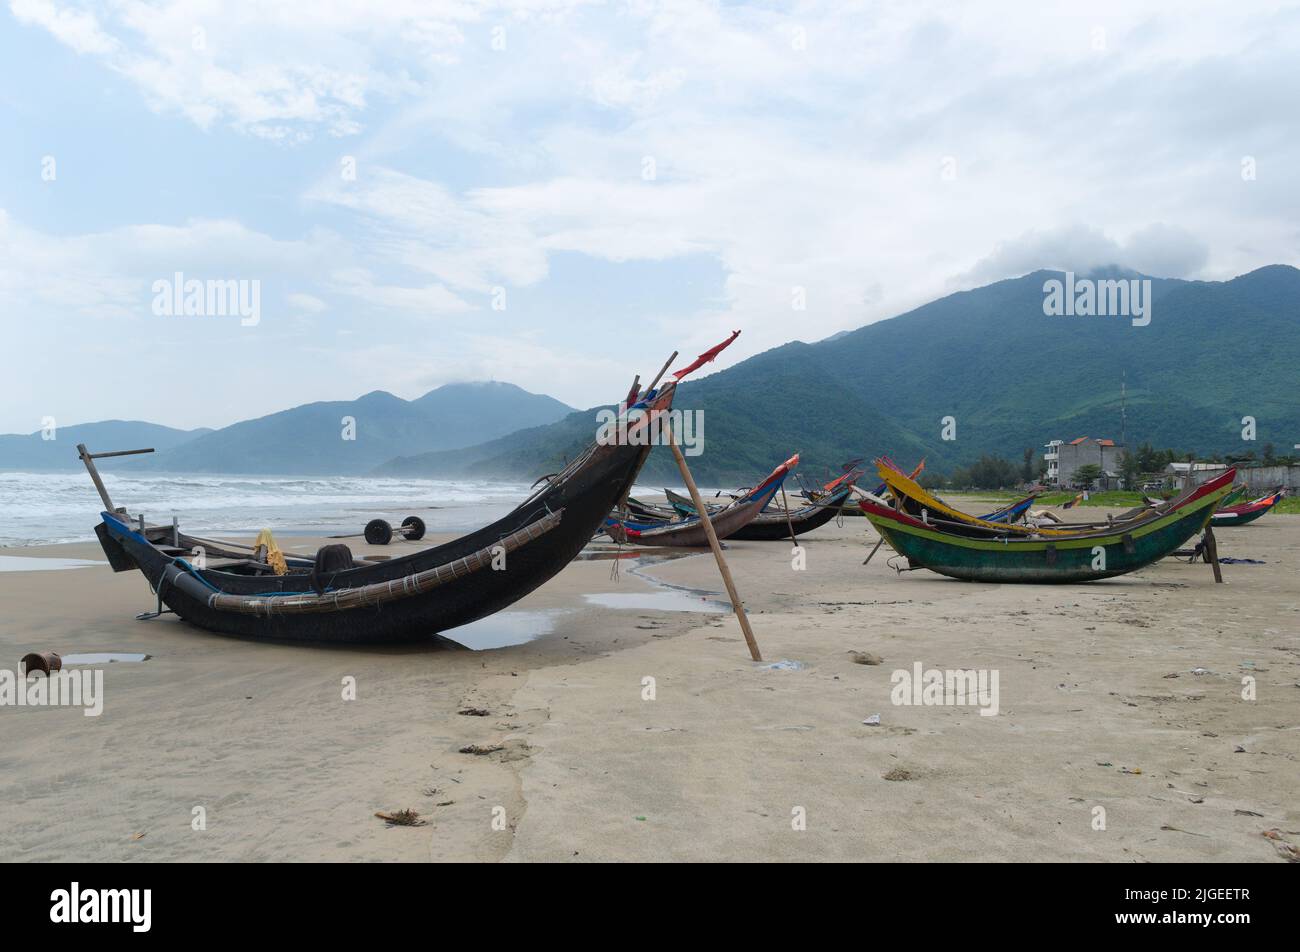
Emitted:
pixel 43 508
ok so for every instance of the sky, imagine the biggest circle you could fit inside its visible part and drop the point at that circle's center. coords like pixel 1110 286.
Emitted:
pixel 559 195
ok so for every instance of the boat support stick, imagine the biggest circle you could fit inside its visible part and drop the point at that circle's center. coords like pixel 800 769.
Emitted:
pixel 790 525
pixel 1212 552
pixel 705 521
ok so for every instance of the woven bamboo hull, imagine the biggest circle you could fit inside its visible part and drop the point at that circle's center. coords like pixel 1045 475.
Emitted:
pixel 582 499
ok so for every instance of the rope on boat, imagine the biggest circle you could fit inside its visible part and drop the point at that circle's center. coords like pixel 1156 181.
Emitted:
pixel 380 593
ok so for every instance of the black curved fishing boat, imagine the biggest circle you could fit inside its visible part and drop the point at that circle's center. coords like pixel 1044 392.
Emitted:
pixel 777 524
pixel 402 599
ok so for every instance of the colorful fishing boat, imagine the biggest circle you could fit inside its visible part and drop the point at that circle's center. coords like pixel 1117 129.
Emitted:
pixel 1242 514
pixel 778 523
pixel 1012 512
pixel 690 531
pixel 914 500
pixel 1080 557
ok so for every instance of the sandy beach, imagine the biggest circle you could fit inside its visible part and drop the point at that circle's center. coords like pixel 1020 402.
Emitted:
pixel 716 757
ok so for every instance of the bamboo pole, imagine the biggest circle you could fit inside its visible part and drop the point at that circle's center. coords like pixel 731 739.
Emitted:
pixel 789 525
pixel 703 513
pixel 662 370
pixel 89 460
pixel 1212 553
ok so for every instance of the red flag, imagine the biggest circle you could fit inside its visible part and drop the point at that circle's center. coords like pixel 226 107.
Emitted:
pixel 706 357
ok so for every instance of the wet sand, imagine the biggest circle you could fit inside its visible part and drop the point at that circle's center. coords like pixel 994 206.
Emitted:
pixel 1098 708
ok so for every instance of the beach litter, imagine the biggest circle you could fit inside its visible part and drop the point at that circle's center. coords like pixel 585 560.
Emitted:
pixel 42 661
pixel 873 721
pixel 474 712
pixel 1288 851
pixel 401 818
pixel 783 665
pixel 481 749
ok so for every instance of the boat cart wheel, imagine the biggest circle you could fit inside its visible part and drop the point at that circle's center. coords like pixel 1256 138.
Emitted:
pixel 414 527
pixel 378 532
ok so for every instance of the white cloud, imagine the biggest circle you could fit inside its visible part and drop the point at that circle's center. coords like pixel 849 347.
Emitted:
pixel 1160 250
pixel 306 302
pixel 800 147
pixel 78 29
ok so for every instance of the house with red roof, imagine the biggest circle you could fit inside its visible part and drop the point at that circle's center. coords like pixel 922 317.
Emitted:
pixel 1065 458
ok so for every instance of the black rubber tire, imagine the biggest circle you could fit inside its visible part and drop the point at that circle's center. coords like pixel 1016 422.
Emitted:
pixel 378 532
pixel 414 527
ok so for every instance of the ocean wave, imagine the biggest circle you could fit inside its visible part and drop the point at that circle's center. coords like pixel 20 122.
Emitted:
pixel 48 508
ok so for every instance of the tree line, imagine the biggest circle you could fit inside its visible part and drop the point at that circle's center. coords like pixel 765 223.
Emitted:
pixel 994 472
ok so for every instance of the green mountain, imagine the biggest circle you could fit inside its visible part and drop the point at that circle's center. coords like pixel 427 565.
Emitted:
pixel 32 452
pixel 1009 375
pixel 311 439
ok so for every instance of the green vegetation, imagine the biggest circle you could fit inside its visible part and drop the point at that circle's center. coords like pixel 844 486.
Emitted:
pixel 1010 377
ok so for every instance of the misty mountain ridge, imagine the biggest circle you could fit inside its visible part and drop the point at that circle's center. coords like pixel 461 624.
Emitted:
pixel 337 437
pixel 1010 376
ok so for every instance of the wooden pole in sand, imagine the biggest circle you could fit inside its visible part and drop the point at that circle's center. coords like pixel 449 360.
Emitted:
pixel 1212 553
pixel 703 513
pixel 788 523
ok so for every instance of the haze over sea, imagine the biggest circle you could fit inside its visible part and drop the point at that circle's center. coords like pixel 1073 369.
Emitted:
pixel 43 508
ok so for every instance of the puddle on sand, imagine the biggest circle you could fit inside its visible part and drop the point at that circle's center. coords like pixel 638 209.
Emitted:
pixel 503 629
pixel 658 601
pixel 27 563
pixel 103 657
pixel 643 555
pixel 669 598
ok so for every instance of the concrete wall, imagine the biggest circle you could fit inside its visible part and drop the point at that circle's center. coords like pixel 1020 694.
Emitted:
pixel 1260 479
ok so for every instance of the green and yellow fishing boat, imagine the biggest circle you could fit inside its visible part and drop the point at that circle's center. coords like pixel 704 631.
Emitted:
pixel 1079 557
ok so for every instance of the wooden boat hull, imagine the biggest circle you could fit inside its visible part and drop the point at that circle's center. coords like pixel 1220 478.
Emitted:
pixel 537 539
pixel 1081 558
pixel 1243 515
pixel 772 526
pixel 1230 520
pixel 690 533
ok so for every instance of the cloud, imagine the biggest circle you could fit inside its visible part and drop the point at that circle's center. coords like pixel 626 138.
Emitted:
pixel 306 302
pixel 863 159
pixel 428 300
pixel 78 29
pixel 1159 250
pixel 270 70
